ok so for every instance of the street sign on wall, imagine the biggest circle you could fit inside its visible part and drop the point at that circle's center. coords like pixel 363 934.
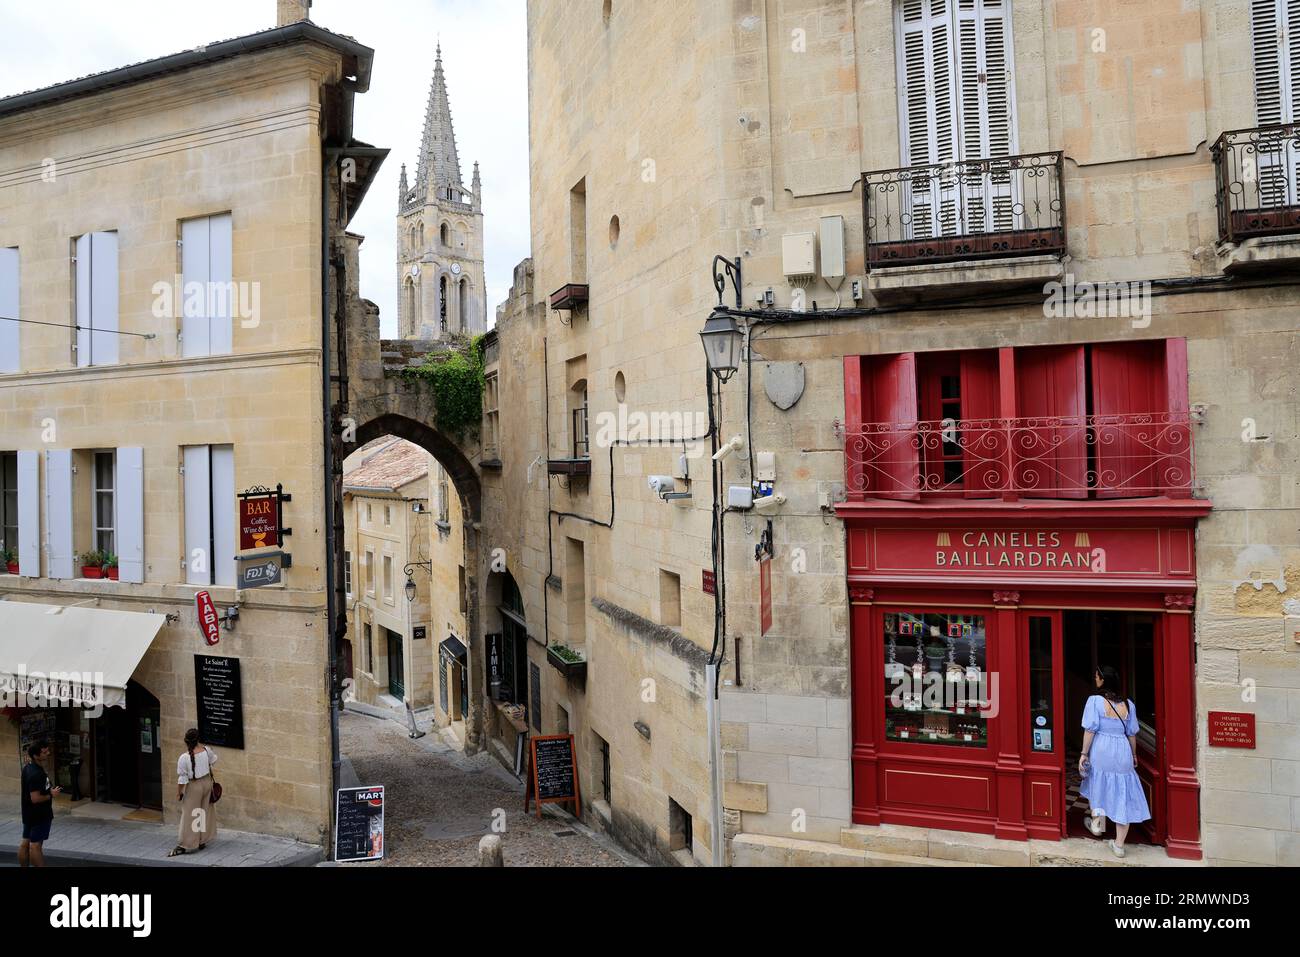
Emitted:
pixel 259 571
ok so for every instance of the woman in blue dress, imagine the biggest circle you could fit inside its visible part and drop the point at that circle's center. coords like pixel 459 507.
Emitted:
pixel 1109 761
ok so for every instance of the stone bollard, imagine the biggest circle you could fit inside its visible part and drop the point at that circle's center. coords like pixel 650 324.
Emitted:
pixel 489 852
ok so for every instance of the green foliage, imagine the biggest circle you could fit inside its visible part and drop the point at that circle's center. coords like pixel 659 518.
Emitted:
pixel 8 556
pixel 92 559
pixel 566 654
pixel 456 378
pixel 110 560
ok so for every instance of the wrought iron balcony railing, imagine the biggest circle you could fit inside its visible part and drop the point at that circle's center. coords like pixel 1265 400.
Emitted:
pixel 977 209
pixel 1102 456
pixel 1256 187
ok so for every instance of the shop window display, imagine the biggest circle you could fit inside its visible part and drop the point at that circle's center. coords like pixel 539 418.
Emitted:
pixel 936 687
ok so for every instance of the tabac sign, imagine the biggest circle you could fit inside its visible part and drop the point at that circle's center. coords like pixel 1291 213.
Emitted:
pixel 1023 553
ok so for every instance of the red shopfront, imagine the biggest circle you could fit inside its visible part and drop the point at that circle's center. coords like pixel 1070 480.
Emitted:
pixel 974 642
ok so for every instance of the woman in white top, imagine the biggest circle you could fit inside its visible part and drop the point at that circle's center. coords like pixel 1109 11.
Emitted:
pixel 198 823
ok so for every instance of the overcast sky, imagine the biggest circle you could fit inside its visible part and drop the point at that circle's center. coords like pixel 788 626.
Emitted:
pixel 483 51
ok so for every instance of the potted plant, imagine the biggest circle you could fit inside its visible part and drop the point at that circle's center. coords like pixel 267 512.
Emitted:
pixel 566 661
pixel 9 559
pixel 92 564
pixel 110 566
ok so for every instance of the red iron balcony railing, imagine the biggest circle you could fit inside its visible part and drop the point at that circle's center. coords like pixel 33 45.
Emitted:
pixel 976 209
pixel 1103 456
pixel 1255 173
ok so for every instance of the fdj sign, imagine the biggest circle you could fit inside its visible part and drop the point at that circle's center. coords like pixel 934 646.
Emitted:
pixel 262 571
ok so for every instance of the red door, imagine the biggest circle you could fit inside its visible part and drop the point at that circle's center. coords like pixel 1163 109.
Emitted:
pixel 1152 767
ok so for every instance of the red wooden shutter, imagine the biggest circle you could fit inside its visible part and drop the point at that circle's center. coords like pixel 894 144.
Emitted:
pixel 983 440
pixel 1049 439
pixel 891 464
pixel 1176 442
pixel 1127 398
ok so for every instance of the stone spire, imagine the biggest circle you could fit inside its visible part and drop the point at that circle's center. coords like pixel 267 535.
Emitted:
pixel 402 188
pixel 439 165
pixel 476 187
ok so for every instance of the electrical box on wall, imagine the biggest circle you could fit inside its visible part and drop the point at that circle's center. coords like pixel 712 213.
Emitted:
pixel 832 247
pixel 765 466
pixel 799 256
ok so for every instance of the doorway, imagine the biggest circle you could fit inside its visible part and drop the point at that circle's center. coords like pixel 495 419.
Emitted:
pixel 1130 643
pixel 396 666
pixel 126 752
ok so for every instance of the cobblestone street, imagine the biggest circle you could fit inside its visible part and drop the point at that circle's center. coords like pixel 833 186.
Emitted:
pixel 439 803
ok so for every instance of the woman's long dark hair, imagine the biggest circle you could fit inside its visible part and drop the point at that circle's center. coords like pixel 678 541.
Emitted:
pixel 191 742
pixel 1110 687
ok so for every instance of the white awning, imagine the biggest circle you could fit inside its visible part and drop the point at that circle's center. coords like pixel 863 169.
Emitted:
pixel 61 653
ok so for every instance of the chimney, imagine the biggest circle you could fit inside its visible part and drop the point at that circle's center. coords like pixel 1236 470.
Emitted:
pixel 291 11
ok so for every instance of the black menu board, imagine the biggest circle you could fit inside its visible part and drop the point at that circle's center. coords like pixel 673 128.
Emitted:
pixel 221 701
pixel 359 824
pixel 552 774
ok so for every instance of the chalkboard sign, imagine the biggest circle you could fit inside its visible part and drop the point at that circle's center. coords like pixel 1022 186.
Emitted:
pixel 221 701
pixel 359 824
pixel 552 773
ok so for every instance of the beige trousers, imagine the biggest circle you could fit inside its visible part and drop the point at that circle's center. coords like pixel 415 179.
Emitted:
pixel 198 817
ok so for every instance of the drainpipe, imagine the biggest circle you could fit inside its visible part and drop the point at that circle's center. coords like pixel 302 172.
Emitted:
pixel 715 763
pixel 331 613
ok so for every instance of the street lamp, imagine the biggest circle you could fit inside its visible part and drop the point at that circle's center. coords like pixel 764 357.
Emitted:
pixel 410 582
pixel 722 338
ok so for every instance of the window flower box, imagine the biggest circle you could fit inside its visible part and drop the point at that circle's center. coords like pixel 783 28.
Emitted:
pixel 566 661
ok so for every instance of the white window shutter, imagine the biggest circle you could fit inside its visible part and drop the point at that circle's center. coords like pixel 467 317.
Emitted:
pixel 58 512
pixel 10 360
pixel 83 300
pixel 1266 30
pixel 198 515
pixel 223 298
pixel 103 282
pixel 130 514
pixel 29 514
pixel 196 337
pixel 1275 46
pixel 223 514
pixel 928 109
pixel 987 111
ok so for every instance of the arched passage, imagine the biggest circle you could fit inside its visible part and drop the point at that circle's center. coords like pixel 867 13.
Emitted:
pixel 381 422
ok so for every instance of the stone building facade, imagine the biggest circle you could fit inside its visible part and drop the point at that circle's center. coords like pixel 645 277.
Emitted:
pixel 441 285
pixel 1029 150
pixel 212 169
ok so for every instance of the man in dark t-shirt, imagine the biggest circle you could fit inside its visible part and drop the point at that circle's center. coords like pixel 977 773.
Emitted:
pixel 38 806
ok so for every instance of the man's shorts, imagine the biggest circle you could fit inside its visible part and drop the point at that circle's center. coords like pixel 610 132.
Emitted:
pixel 37 833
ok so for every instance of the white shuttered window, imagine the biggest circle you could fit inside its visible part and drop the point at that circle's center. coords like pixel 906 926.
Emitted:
pixel 58 512
pixel 1275 44
pixel 209 514
pixel 956 104
pixel 9 325
pixel 96 299
pixel 209 296
pixel 130 514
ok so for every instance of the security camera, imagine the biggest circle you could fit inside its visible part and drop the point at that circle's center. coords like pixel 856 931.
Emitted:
pixel 769 501
pixel 661 485
pixel 735 445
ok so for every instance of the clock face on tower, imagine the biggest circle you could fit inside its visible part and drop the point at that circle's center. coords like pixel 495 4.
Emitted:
pixel 455 269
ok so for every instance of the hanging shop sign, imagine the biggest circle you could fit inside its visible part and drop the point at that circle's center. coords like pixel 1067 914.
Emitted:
pixel 263 570
pixel 493 644
pixel 261 518
pixel 552 773
pixel 709 582
pixel 359 824
pixel 1232 729
pixel 220 701
pixel 209 620
pixel 1024 553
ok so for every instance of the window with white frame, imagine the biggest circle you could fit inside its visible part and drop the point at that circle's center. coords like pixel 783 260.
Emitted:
pixel 370 572
pixel 95 297
pixel 209 514
pixel 444 497
pixel 1275 48
pixel 347 573
pixel 103 506
pixel 208 298
pixel 10 360
pixel 388 578
pixel 491 416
